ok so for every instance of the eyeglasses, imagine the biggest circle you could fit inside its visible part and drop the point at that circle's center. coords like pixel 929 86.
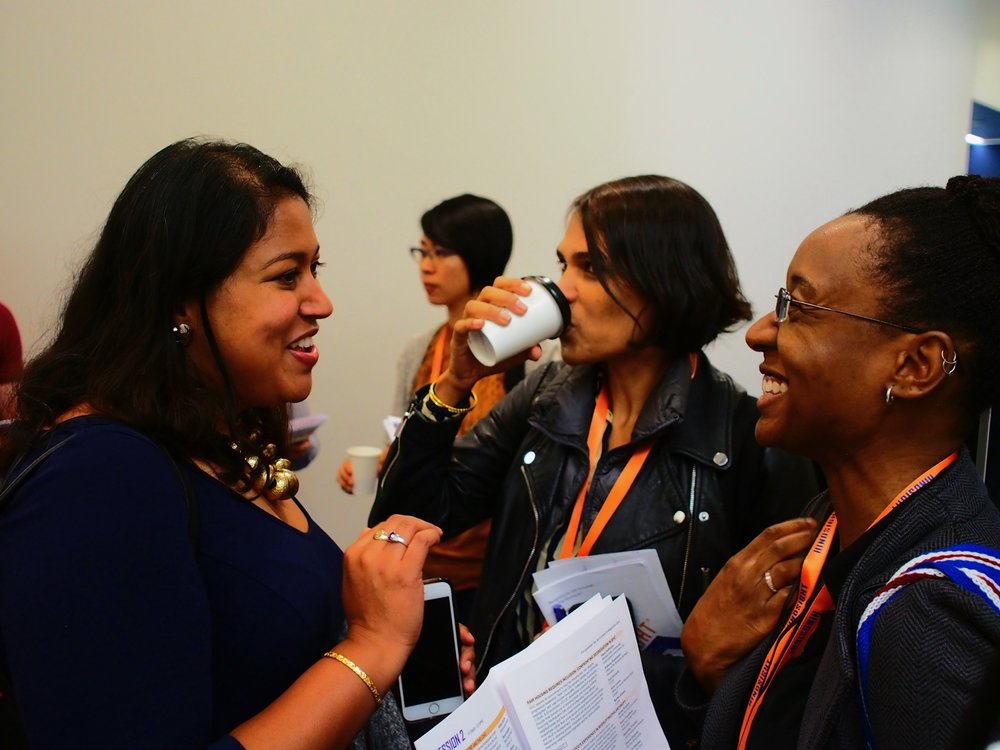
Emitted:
pixel 785 299
pixel 434 253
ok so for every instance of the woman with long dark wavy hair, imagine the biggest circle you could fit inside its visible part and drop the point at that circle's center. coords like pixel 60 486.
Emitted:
pixel 160 585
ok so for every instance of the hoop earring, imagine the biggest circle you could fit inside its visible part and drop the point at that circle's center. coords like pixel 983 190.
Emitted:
pixel 889 398
pixel 182 334
pixel 949 365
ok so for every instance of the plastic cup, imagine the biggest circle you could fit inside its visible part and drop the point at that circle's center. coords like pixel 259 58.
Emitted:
pixel 364 463
pixel 546 318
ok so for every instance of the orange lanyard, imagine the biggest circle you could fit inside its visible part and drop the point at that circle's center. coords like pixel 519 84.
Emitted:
pixel 796 633
pixel 595 442
pixel 438 354
pixel 622 485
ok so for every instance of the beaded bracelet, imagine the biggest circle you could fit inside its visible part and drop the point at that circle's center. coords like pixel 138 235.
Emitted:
pixel 473 399
pixel 359 672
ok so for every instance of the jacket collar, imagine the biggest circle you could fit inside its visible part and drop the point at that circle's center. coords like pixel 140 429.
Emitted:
pixel 694 416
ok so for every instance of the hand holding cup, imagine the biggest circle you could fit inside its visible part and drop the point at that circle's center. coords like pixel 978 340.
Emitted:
pixel 502 327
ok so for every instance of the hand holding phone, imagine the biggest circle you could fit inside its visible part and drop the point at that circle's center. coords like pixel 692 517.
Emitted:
pixel 431 682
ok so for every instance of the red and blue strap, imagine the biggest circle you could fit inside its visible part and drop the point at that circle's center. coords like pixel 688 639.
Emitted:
pixel 973 567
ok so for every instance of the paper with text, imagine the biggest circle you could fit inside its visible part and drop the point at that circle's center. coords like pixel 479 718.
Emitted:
pixel 578 687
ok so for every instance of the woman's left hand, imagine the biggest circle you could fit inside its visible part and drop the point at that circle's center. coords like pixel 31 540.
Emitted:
pixel 467 659
pixel 743 603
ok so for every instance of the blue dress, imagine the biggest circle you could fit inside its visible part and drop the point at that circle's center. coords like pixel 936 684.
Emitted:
pixel 119 631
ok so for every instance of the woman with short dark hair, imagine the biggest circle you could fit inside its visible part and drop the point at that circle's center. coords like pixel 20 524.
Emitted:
pixel 649 280
pixel 474 228
pixel 465 244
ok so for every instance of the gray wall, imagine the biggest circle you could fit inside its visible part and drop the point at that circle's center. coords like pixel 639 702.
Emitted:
pixel 784 113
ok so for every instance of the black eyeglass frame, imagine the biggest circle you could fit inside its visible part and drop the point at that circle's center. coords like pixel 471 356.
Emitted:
pixel 786 300
pixel 435 253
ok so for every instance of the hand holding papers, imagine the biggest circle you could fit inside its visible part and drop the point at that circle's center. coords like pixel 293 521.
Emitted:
pixel 580 685
pixel 637 574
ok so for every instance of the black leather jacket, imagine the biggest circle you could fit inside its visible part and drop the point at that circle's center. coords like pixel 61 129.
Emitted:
pixel 705 491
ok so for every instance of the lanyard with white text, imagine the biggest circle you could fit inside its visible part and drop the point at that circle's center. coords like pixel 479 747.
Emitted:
pixel 811 604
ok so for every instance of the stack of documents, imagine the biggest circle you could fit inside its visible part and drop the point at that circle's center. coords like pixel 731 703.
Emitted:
pixel 579 685
pixel 637 574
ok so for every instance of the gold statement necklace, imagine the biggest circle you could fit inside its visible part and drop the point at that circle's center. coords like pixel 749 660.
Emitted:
pixel 270 478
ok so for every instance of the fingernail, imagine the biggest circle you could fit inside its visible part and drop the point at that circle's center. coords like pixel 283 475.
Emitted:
pixel 505 315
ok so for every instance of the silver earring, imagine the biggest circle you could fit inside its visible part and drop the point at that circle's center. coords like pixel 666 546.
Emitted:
pixel 182 334
pixel 889 398
pixel 949 365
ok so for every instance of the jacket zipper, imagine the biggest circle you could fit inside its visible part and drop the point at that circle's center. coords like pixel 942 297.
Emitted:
pixel 687 551
pixel 386 469
pixel 524 573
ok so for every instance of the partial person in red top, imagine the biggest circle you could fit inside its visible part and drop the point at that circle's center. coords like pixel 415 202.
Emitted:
pixel 11 360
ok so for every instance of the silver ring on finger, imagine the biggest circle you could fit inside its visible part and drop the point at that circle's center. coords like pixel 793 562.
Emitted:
pixel 397 538
pixel 770 581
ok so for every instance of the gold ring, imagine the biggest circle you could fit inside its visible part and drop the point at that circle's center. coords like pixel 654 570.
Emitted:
pixel 769 581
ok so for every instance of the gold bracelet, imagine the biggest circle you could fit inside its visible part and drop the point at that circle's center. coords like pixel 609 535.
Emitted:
pixel 359 672
pixel 473 399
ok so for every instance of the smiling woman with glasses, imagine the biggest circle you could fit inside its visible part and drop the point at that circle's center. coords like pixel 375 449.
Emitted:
pixel 852 661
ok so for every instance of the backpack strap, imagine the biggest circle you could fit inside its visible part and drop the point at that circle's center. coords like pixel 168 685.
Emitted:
pixel 8 485
pixel 973 567
pixel 14 480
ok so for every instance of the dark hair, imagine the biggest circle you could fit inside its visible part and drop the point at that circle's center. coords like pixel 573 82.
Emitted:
pixel 477 229
pixel 937 267
pixel 177 230
pixel 662 238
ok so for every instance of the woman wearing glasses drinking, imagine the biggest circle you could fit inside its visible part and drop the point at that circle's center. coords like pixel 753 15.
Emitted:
pixel 465 245
pixel 671 464
pixel 880 355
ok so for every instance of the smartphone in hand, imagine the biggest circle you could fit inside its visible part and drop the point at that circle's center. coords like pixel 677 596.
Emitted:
pixel 431 682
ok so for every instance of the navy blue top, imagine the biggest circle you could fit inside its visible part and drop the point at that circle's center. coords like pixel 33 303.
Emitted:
pixel 118 633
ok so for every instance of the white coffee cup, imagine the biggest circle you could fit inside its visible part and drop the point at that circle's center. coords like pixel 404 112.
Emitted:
pixel 546 318
pixel 364 464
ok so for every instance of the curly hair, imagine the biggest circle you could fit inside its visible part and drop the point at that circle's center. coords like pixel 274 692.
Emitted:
pixel 937 263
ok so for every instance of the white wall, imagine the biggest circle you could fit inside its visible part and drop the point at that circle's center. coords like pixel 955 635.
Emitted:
pixel 986 84
pixel 783 113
